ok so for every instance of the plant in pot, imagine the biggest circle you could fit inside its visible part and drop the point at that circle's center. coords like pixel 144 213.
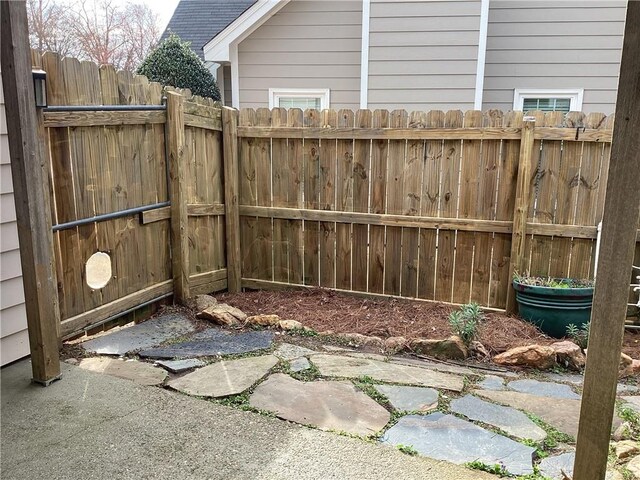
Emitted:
pixel 553 304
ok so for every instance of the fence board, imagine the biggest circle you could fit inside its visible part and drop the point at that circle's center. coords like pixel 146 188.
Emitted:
pixel 429 206
pixel 281 194
pixel 311 200
pixel 328 166
pixel 379 153
pixel 361 174
pixel 344 201
pixel 395 188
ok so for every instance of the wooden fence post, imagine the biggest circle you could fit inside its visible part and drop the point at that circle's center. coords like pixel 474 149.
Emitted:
pixel 619 223
pixel 178 196
pixel 521 209
pixel 231 193
pixel 31 192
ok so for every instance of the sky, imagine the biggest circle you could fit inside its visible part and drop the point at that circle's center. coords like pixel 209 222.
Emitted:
pixel 164 9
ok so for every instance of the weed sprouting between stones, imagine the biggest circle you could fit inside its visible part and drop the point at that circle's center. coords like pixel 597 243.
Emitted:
pixel 554 436
pixel 632 418
pixel 497 469
pixel 407 449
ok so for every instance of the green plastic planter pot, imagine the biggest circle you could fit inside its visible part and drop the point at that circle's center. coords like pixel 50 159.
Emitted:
pixel 553 309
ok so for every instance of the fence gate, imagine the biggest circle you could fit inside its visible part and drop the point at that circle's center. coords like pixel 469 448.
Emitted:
pixel 107 137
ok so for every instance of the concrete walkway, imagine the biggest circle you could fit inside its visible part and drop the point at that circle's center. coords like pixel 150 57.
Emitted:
pixel 95 426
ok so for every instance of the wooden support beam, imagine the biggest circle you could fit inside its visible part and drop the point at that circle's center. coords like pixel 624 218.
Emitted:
pixel 231 193
pixel 521 208
pixel 619 223
pixel 31 193
pixel 178 195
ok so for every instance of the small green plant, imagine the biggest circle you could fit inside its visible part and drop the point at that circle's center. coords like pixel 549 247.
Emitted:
pixel 579 335
pixel 407 450
pixel 633 419
pixel 465 322
pixel 551 282
pixel 497 469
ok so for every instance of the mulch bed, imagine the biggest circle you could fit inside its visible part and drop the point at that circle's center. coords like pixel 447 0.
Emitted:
pixel 324 310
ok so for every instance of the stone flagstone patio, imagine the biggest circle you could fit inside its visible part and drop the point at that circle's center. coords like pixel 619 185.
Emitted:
pixel 483 417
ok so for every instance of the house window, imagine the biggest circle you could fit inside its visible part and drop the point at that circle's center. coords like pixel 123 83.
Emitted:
pixel 302 98
pixel 548 100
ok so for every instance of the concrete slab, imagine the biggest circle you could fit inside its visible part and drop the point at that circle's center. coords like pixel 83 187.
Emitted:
pixel 409 399
pixel 445 437
pixel 543 389
pixel 560 413
pixel 350 367
pixel 554 467
pixel 326 405
pixel 507 419
pixel 178 366
pixel 139 372
pixel 287 351
pixel 224 378
pixel 213 342
pixel 143 335
pixel 152 433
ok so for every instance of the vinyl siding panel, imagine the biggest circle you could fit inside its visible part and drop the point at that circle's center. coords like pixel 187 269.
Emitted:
pixel 14 340
pixel 307 44
pixel 554 45
pixel 423 55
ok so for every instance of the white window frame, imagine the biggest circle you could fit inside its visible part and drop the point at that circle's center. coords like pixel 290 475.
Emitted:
pixel 575 95
pixel 276 93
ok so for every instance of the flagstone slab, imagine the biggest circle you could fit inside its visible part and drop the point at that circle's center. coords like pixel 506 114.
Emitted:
pixel 440 367
pixel 224 378
pixel 328 405
pixel 139 372
pixel 409 399
pixel 507 419
pixel 350 367
pixel 178 366
pixel 214 341
pixel 572 378
pixel 552 467
pixel 492 382
pixel 143 335
pixel 624 389
pixel 287 351
pixel 633 402
pixel 561 413
pixel 299 364
pixel 543 389
pixel 446 437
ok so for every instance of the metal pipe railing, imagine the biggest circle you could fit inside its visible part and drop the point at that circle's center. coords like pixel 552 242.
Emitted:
pixel 109 216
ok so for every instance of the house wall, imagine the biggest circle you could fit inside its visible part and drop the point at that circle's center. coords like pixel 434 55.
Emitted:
pixel 307 44
pixel 423 55
pixel 554 44
pixel 14 340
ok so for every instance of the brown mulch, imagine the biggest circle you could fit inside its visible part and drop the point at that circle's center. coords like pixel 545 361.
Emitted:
pixel 324 310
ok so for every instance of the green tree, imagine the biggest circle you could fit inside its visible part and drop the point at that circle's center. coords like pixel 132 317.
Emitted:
pixel 173 63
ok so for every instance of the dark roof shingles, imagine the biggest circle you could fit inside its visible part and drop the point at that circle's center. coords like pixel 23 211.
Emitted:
pixel 198 21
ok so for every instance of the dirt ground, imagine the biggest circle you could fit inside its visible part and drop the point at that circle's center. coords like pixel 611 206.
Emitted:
pixel 325 310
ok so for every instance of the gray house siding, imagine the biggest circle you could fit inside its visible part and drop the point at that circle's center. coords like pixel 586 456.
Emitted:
pixel 423 55
pixel 307 44
pixel 554 45
pixel 14 339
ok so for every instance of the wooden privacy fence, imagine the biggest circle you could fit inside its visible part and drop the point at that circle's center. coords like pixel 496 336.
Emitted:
pixel 187 198
pixel 419 205
pixel 105 162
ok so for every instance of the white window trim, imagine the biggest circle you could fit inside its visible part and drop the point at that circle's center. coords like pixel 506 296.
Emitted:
pixel 574 94
pixel 276 93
